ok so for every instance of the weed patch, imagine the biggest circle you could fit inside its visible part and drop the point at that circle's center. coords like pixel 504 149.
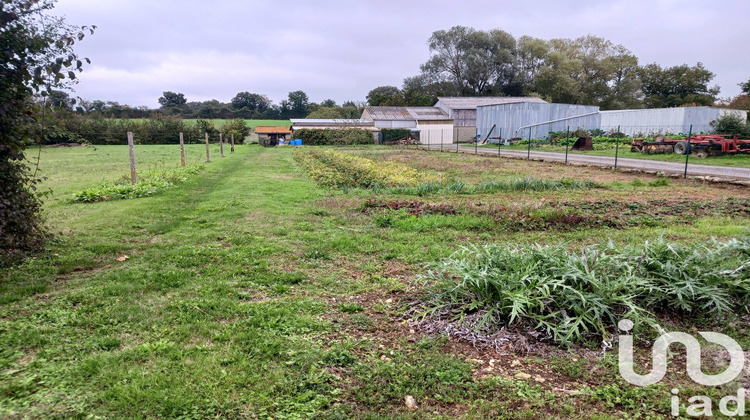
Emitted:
pixel 341 170
pixel 148 184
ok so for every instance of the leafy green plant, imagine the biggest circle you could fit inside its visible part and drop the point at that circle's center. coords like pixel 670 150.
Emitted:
pixel 148 184
pixel 350 307
pixel 572 296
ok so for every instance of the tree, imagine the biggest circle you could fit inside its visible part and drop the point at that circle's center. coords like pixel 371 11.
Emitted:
pixel 587 70
pixel 476 62
pixel 37 57
pixel 745 87
pixel 327 112
pixel 330 103
pixel 172 100
pixel 256 103
pixel 385 96
pixel 531 55
pixel 424 90
pixel 296 106
pixel 59 99
pixel 676 86
pixel 237 127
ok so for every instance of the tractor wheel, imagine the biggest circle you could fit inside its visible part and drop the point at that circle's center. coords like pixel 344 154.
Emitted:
pixel 681 147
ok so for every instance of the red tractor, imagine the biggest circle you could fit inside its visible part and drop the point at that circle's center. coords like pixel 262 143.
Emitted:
pixel 701 146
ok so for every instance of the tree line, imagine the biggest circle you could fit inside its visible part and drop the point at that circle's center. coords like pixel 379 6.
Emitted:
pixel 588 70
pixel 244 105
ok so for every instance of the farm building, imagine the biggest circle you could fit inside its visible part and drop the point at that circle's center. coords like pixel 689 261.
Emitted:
pixel 515 119
pixel 433 124
pixel 636 122
pixel 463 111
pixel 268 133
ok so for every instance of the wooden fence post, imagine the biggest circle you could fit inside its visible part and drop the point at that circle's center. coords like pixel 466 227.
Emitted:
pixel 133 174
pixel 208 154
pixel 221 145
pixel 232 149
pixel 182 150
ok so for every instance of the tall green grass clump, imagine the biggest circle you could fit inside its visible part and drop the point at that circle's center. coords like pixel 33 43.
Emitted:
pixel 571 297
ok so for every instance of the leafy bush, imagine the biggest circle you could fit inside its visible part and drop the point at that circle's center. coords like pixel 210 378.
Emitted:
pixel 572 296
pixel 732 124
pixel 148 184
pixel 21 226
pixel 237 127
pixel 334 137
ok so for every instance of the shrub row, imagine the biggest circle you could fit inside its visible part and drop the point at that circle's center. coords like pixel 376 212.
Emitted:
pixel 337 137
pixel 155 130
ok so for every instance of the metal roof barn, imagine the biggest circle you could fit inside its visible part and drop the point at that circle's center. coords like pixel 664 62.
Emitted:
pixel 513 120
pixel 643 122
pixel 403 116
pixel 463 110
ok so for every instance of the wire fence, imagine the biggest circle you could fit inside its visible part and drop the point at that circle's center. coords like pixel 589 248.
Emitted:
pixel 663 148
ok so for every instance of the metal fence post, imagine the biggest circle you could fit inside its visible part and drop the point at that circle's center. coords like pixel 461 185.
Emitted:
pixel 567 143
pixel 476 143
pixel 617 147
pixel 687 152
pixel 528 153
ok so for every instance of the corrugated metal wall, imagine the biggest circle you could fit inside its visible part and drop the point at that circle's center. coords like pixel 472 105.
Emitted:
pixel 644 122
pixel 510 118
pixel 465 118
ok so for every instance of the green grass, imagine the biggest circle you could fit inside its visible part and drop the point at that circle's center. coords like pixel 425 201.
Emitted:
pixel 248 291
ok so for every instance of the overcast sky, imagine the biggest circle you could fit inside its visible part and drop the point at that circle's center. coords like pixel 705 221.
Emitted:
pixel 343 49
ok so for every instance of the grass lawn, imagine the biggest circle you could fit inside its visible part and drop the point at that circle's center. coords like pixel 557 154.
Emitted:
pixel 249 291
pixel 738 160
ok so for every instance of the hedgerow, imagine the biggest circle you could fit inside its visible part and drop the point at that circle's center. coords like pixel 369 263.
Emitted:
pixel 337 137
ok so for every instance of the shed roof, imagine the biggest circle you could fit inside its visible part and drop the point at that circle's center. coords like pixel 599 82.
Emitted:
pixel 472 102
pixel 262 129
pixel 410 113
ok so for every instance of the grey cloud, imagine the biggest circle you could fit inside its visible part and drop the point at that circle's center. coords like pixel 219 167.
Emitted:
pixel 341 50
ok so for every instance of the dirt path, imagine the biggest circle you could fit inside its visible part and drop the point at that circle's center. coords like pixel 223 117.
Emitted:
pixel 723 173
